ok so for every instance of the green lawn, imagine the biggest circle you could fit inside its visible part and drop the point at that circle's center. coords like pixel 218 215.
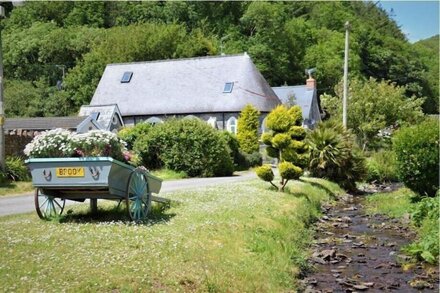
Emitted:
pixel 166 174
pixel 243 237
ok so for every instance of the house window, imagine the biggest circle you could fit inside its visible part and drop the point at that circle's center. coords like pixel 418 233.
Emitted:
pixel 228 87
pixel 264 129
pixel 231 125
pixel 126 77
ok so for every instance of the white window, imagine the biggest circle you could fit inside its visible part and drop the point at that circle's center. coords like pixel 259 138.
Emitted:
pixel 264 129
pixel 231 125
pixel 212 121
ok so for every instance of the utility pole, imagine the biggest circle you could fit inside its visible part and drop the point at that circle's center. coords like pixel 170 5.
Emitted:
pixel 344 100
pixel 2 112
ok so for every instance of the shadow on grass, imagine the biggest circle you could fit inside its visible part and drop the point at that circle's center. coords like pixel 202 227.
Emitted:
pixel 320 186
pixel 298 195
pixel 157 214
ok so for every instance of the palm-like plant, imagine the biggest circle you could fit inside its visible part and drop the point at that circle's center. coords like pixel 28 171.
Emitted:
pixel 333 155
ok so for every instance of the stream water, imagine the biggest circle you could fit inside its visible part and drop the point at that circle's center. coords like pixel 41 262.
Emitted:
pixel 355 252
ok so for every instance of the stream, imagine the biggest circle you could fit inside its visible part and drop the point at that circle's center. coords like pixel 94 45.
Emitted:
pixel 354 252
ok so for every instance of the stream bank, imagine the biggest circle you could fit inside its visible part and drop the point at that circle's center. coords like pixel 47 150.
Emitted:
pixel 355 252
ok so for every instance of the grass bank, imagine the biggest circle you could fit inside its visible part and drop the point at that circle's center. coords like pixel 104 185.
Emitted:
pixel 14 188
pixel 243 237
pixel 424 217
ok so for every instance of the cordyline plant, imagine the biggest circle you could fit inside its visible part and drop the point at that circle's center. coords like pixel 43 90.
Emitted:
pixel 285 142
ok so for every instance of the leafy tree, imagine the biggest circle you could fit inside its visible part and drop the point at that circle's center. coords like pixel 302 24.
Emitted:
pixel 283 38
pixel 428 50
pixel 373 106
pixel 285 142
pixel 247 133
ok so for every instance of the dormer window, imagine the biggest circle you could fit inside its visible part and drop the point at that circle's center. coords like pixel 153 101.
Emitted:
pixel 228 87
pixel 126 77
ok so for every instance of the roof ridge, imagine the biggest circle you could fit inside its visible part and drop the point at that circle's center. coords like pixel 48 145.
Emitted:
pixel 289 86
pixel 182 59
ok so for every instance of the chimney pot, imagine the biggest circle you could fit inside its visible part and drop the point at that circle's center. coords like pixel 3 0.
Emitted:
pixel 311 83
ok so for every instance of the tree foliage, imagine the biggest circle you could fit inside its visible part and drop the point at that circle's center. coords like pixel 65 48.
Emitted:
pixel 283 38
pixel 247 133
pixel 373 106
pixel 285 142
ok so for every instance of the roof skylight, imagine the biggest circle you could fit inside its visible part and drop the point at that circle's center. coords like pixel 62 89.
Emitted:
pixel 126 77
pixel 228 87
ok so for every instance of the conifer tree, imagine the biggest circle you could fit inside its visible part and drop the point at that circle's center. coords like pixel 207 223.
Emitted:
pixel 285 141
pixel 247 132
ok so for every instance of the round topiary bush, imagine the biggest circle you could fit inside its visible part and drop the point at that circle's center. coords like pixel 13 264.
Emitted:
pixel 417 156
pixel 188 145
pixel 265 173
pixel 289 171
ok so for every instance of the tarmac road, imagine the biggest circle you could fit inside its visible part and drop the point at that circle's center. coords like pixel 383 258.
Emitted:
pixel 10 205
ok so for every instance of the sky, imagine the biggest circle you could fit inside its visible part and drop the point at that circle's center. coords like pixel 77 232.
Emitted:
pixel 418 19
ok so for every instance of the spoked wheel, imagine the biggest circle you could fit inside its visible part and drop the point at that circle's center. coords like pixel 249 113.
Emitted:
pixel 138 197
pixel 47 206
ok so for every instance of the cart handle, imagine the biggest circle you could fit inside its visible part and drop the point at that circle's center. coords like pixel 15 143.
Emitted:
pixel 47 175
pixel 94 172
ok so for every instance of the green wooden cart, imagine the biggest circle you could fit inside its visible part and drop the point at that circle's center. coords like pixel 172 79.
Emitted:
pixel 59 179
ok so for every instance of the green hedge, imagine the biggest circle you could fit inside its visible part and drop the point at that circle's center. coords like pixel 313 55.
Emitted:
pixel 188 145
pixel 417 153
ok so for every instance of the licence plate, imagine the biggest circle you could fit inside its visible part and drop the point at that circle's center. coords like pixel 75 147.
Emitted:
pixel 70 172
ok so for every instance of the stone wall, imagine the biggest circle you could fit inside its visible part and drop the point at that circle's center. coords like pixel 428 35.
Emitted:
pixel 15 144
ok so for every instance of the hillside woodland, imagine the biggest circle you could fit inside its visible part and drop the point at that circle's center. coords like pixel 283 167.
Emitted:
pixel 54 53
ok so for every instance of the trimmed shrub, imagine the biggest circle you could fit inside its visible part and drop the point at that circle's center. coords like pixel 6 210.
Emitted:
pixel 381 167
pixel 188 145
pixel 265 173
pixel 253 160
pixel 247 132
pixel 235 154
pixel 15 169
pixel 284 140
pixel 130 134
pixel 417 154
pixel 289 171
pixel 334 155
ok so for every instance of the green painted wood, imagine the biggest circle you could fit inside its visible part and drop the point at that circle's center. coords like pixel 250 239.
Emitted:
pixel 104 177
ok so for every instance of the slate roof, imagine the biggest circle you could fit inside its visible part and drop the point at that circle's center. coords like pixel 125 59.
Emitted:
pixel 43 123
pixel 185 86
pixel 106 114
pixel 302 97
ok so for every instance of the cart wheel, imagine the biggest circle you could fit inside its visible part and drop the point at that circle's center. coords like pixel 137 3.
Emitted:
pixel 138 196
pixel 47 206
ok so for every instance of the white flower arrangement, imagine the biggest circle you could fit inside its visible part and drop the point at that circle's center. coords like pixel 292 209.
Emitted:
pixel 51 143
pixel 63 143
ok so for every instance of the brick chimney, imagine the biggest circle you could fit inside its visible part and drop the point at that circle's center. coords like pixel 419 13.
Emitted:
pixel 311 83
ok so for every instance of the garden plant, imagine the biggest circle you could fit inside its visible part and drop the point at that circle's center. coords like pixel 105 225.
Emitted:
pixel 285 141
